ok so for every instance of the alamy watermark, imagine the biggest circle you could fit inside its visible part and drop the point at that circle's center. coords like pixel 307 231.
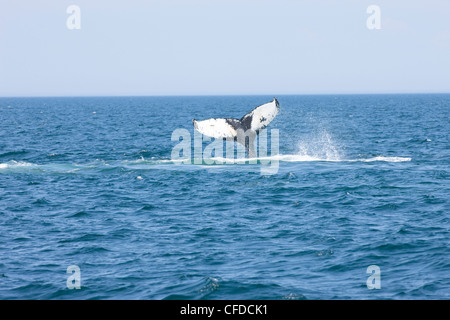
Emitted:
pixel 374 280
pixel 73 22
pixel 74 280
pixel 373 22
pixel 214 152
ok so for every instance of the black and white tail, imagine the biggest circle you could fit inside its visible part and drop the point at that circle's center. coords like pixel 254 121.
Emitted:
pixel 242 130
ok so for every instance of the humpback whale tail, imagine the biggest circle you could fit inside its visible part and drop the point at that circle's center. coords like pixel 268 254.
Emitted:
pixel 242 130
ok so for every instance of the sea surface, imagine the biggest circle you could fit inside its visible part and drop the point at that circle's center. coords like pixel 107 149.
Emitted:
pixel 358 181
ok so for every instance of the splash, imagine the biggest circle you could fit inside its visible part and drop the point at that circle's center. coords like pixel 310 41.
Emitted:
pixel 320 147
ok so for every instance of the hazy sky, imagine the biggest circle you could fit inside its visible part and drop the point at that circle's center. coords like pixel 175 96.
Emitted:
pixel 184 47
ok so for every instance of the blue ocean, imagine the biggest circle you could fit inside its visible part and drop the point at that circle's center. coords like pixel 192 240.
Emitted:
pixel 358 207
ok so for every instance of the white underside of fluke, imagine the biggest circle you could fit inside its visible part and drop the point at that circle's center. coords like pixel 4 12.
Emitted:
pixel 256 120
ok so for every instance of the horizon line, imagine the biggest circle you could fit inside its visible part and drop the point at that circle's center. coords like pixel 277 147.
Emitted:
pixel 217 95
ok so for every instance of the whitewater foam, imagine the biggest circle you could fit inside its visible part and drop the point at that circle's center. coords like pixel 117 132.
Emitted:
pixel 143 163
pixel 15 164
pixel 387 159
pixel 305 158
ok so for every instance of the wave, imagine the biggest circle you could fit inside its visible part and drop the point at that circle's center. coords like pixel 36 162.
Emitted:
pixel 306 158
pixel 15 164
pixel 142 164
pixel 387 159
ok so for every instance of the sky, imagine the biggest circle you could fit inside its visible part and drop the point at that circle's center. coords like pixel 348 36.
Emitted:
pixel 222 47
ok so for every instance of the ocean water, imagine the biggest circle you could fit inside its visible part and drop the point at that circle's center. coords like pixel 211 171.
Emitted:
pixel 361 180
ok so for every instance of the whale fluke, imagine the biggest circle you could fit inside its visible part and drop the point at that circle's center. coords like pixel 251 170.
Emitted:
pixel 242 130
